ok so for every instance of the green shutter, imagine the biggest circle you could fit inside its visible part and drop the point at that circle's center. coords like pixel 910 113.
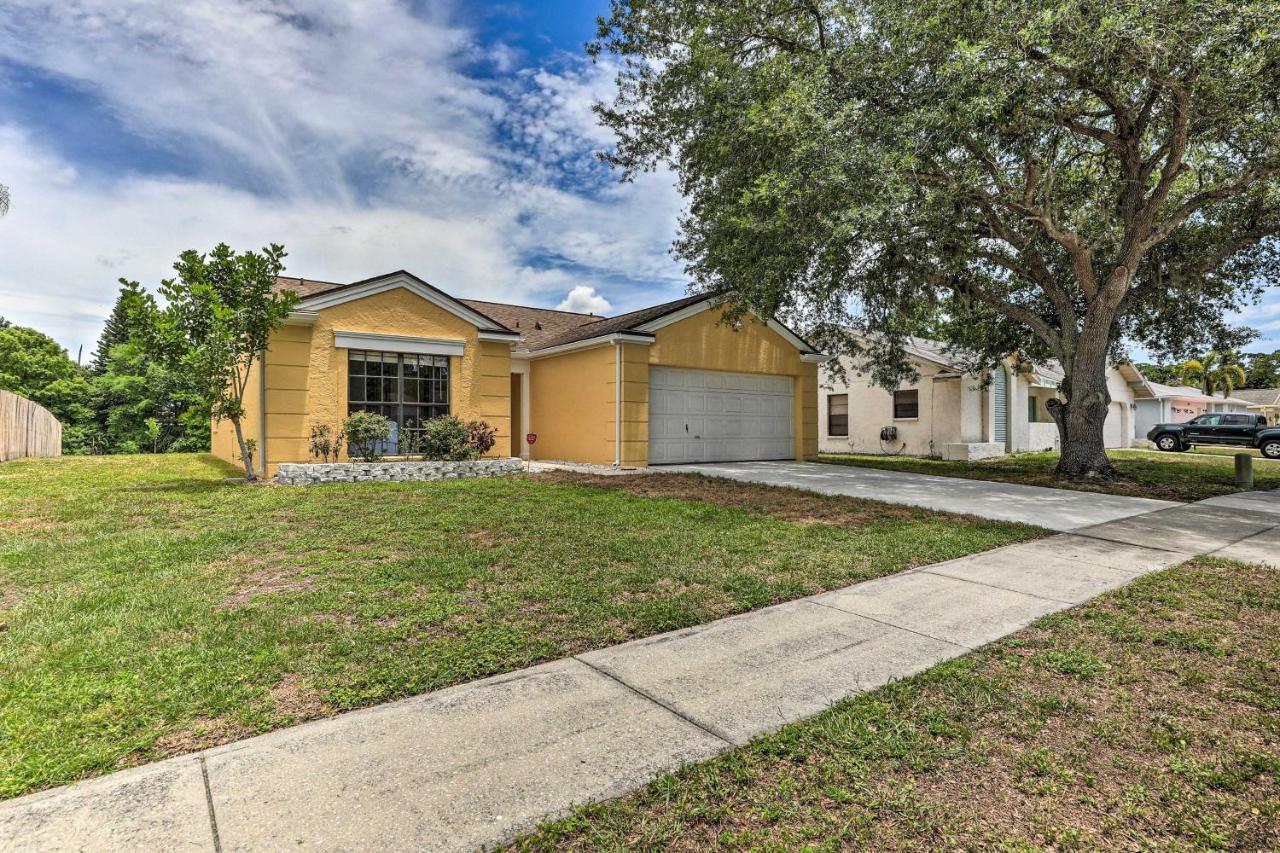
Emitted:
pixel 1000 395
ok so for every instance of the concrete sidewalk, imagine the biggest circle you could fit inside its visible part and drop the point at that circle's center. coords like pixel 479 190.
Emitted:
pixel 475 764
pixel 1056 509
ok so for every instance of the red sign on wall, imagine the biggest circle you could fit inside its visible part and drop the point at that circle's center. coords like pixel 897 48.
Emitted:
pixel 531 437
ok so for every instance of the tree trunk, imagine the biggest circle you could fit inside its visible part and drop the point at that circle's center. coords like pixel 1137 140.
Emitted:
pixel 245 458
pixel 1080 420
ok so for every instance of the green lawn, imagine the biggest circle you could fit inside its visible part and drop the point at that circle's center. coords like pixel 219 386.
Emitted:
pixel 1143 473
pixel 1148 719
pixel 147 608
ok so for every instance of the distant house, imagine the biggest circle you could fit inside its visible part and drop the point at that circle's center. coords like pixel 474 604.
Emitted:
pixel 1262 401
pixel 957 415
pixel 1175 404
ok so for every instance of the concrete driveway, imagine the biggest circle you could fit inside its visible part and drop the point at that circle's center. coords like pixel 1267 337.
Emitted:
pixel 1055 509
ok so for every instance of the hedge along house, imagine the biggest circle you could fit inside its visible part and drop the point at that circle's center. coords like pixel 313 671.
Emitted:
pixel 670 383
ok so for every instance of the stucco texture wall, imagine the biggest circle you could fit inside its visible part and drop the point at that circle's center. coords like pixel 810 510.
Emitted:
pixel 306 375
pixel 571 406
pixel 573 395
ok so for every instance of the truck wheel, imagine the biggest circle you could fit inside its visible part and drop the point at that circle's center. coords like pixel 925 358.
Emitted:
pixel 1271 448
pixel 1168 443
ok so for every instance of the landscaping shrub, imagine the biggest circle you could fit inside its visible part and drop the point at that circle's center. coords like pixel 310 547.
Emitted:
pixel 324 445
pixel 481 436
pixel 446 439
pixel 365 432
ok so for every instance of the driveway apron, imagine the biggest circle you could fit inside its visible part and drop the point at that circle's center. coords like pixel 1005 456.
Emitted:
pixel 1055 509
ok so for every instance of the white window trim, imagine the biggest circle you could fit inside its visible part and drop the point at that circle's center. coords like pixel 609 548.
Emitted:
pixel 398 343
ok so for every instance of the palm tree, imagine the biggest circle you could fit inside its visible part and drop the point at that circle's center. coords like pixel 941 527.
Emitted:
pixel 1217 370
pixel 4 199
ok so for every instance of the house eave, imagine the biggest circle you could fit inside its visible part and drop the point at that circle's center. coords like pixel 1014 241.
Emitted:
pixel 591 343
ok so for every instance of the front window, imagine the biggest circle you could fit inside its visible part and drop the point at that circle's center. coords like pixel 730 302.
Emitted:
pixel 906 405
pixel 1207 420
pixel 838 414
pixel 404 388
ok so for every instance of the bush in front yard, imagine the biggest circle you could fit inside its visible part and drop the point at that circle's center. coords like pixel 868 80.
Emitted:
pixel 482 437
pixel 446 439
pixel 365 432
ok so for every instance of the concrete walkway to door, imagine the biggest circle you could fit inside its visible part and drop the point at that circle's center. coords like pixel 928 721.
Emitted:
pixel 469 767
pixel 1056 509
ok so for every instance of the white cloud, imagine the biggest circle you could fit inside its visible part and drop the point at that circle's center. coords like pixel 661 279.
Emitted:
pixel 66 240
pixel 355 133
pixel 584 300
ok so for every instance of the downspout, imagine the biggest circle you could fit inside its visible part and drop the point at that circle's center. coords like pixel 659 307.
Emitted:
pixel 617 404
pixel 262 417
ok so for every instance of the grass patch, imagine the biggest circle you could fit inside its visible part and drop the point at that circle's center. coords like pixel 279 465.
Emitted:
pixel 148 609
pixel 1087 730
pixel 1142 473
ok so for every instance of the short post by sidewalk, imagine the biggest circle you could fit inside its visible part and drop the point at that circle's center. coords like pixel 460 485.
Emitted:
pixel 1244 470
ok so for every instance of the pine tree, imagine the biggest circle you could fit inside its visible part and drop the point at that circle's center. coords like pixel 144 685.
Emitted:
pixel 133 312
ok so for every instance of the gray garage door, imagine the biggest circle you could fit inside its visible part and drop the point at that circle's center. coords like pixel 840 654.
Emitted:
pixel 709 416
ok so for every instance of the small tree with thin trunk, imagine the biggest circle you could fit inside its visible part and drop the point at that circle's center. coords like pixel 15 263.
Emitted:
pixel 222 308
pixel 1049 178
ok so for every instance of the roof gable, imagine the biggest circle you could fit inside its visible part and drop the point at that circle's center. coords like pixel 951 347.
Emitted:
pixel 321 297
pixel 646 321
pixel 536 329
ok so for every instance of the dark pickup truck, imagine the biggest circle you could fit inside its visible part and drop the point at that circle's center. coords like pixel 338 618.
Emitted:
pixel 1219 430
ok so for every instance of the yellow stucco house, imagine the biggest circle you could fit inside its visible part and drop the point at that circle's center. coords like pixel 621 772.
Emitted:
pixel 665 384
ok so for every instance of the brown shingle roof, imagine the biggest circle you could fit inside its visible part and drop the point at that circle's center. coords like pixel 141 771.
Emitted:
pixel 304 287
pixel 621 323
pixel 541 328
pixel 1258 396
pixel 536 325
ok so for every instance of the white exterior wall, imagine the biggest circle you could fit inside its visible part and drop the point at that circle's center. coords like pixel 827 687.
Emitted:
pixel 1149 413
pixel 1019 429
pixel 1118 388
pixel 957 415
pixel 942 405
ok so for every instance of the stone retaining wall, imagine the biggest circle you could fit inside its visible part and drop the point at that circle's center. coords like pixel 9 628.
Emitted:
pixel 303 474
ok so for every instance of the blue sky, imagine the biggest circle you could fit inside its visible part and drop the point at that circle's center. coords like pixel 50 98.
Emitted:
pixel 451 139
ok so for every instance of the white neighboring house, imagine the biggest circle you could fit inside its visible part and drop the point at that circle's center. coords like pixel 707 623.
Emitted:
pixel 1176 404
pixel 949 413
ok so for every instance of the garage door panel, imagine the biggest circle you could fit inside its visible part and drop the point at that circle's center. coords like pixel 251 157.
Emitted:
pixel 707 416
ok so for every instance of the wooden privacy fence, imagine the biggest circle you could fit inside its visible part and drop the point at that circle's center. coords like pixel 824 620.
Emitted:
pixel 27 429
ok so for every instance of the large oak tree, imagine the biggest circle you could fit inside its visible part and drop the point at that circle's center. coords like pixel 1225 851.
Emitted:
pixel 1052 178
